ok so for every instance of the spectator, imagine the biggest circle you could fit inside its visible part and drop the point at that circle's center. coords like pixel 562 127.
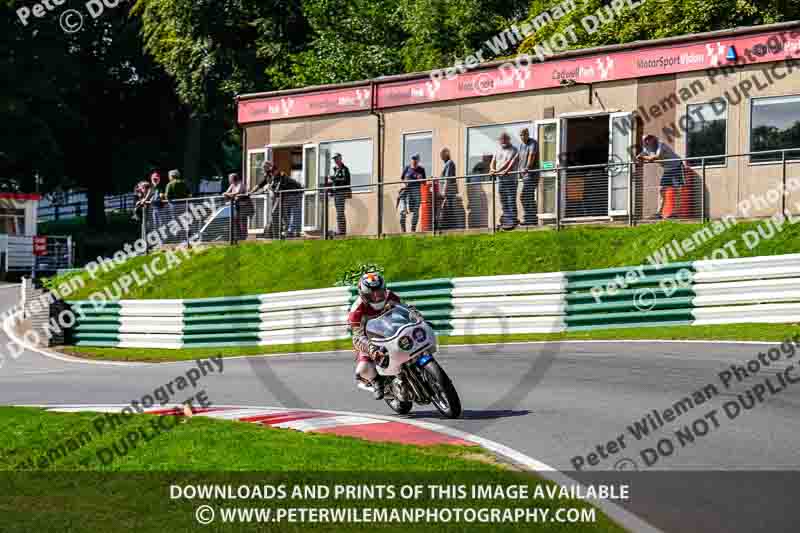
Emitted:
pixel 155 199
pixel 528 158
pixel 242 205
pixel 450 217
pixel 653 150
pixel 289 197
pixel 503 165
pixel 411 174
pixel 141 191
pixel 176 188
pixel 341 192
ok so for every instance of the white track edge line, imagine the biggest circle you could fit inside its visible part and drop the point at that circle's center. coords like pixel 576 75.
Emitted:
pixel 9 331
pixel 616 512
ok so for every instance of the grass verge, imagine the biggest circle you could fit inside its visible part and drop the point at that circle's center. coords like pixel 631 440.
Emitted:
pixel 77 491
pixel 254 268
pixel 732 332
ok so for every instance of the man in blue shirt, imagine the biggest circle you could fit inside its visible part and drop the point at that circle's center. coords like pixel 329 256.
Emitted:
pixel 411 174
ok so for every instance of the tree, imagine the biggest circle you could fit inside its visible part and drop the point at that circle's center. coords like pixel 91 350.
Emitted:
pixel 653 19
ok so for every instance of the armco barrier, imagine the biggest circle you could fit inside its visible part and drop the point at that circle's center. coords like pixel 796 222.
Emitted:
pixel 761 289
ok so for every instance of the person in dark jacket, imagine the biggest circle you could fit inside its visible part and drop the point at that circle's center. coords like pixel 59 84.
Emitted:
pixel 341 192
pixel 287 200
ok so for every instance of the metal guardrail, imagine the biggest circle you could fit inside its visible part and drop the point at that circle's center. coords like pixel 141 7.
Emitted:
pixel 623 192
pixel 76 204
pixel 18 254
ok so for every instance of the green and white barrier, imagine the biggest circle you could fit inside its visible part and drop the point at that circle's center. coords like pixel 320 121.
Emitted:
pixel 760 289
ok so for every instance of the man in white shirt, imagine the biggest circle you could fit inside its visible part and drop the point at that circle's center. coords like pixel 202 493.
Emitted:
pixel 504 165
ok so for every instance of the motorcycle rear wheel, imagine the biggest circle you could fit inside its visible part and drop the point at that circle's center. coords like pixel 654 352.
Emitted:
pixel 444 398
pixel 398 406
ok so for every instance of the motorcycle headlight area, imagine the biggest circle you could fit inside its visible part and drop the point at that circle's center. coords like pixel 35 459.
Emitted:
pixel 405 343
pixel 424 359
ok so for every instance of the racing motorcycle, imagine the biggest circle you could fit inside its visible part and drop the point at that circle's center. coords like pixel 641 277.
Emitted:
pixel 409 371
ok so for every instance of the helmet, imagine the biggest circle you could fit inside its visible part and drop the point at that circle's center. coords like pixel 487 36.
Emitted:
pixel 372 289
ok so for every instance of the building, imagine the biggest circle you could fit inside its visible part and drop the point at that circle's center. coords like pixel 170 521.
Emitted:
pixel 731 92
pixel 18 213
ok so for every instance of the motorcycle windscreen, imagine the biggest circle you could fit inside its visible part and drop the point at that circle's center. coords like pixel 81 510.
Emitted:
pixel 387 325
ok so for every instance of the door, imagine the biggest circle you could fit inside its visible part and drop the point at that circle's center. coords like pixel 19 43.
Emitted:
pixel 310 182
pixel 548 135
pixel 621 126
pixel 255 173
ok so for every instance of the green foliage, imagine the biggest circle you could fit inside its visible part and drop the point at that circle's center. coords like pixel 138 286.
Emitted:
pixel 350 276
pixel 655 19
pixel 441 32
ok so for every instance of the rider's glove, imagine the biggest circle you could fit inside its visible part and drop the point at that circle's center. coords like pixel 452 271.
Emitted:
pixel 379 356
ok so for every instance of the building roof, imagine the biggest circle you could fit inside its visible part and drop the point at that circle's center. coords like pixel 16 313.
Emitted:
pixel 673 55
pixel 635 45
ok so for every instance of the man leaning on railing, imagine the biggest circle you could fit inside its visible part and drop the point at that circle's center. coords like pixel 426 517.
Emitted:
pixel 653 150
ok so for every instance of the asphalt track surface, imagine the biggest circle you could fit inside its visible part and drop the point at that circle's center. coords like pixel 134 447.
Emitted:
pixel 549 401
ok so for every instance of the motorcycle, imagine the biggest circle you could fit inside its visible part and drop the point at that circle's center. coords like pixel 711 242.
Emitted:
pixel 409 371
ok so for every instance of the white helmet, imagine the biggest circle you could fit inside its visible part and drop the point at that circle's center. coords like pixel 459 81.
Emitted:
pixel 372 289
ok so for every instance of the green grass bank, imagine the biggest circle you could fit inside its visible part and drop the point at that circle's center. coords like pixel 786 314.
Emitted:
pixel 254 268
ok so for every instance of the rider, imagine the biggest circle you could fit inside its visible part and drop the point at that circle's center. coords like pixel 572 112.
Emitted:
pixel 372 300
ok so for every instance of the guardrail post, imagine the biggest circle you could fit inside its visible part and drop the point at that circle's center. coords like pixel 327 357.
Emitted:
pixel 493 222
pixel 381 207
pixel 783 183
pixel 558 199
pixel 280 215
pixel 433 206
pixel 145 214
pixel 69 251
pixel 231 223
pixel 630 193
pixel 325 207
pixel 703 192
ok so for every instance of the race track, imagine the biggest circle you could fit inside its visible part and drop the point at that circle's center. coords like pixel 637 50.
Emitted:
pixel 549 401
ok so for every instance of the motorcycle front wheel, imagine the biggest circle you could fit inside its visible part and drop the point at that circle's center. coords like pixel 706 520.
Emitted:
pixel 399 407
pixel 444 397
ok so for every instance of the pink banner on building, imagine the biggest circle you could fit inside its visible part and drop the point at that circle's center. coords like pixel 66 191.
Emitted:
pixel 517 77
pixel 304 105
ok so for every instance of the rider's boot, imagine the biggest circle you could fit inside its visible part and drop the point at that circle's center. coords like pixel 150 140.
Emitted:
pixel 375 386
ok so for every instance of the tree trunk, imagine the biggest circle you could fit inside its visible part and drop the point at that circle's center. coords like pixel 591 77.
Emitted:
pixel 193 152
pixel 96 213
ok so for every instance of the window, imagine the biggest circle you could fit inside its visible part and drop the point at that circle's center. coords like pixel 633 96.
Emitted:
pixel 12 221
pixel 482 144
pixel 255 170
pixel 422 144
pixel 356 155
pixel 706 136
pixel 774 125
